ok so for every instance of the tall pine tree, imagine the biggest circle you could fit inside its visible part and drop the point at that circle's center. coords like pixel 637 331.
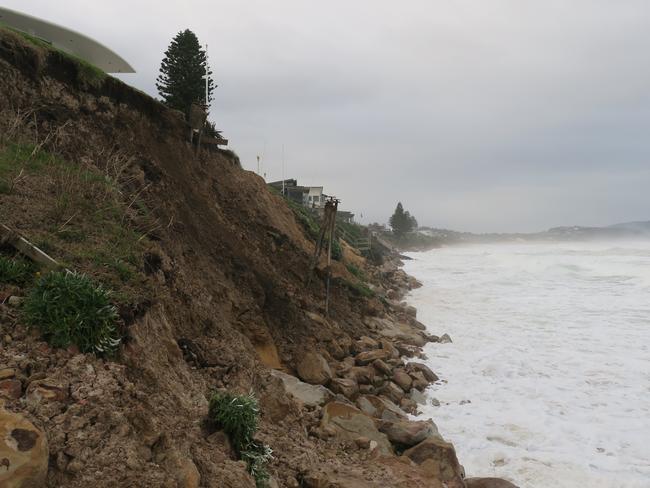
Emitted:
pixel 182 71
pixel 402 222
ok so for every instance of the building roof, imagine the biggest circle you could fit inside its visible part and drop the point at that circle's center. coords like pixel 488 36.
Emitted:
pixel 66 40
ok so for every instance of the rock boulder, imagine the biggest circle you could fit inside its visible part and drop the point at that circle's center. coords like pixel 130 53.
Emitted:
pixel 438 458
pixel 23 452
pixel 488 483
pixel 350 423
pixel 313 369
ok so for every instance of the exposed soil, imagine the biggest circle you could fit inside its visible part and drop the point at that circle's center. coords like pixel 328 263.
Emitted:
pixel 209 269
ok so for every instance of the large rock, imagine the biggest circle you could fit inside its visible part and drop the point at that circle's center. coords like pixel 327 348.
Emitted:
pixel 407 433
pixel 488 483
pixel 365 343
pixel 350 423
pixel 23 452
pixel 380 408
pixel 313 368
pixel 312 395
pixel 346 387
pixel 438 458
pixel 424 369
pixel 386 344
pixel 393 392
pixel 363 375
pixel 403 380
pixel 368 357
pixel 382 367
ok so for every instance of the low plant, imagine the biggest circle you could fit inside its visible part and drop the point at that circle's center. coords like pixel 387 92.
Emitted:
pixel 238 416
pixel 15 271
pixel 69 308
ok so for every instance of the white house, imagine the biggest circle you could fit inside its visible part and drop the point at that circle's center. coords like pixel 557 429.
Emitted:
pixel 315 197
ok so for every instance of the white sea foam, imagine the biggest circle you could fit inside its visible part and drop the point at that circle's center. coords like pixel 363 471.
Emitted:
pixel 551 347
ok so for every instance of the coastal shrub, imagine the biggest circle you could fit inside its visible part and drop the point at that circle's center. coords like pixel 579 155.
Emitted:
pixel 359 288
pixel 15 271
pixel 69 308
pixel 238 416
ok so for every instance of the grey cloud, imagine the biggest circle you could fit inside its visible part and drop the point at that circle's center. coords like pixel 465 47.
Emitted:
pixel 499 115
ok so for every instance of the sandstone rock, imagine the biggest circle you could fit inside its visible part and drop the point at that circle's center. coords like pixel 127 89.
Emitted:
pixel 14 301
pixel 435 402
pixel 366 389
pixel 361 374
pixel 312 395
pixel 23 452
pixel 7 373
pixel 393 392
pixel 346 387
pixel 439 459
pixel 380 408
pixel 407 433
pixel 444 339
pixel 403 380
pixel 488 483
pixel 420 383
pixel 386 344
pixel 313 368
pixel 407 350
pixel 382 367
pixel 11 389
pixel 411 310
pixel 362 442
pixel 364 358
pixel 418 397
pixel 350 423
pixel 409 406
pixel 365 343
pixel 424 369
pixel 40 390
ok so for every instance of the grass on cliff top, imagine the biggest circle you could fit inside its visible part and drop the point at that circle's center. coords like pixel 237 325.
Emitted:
pixel 88 73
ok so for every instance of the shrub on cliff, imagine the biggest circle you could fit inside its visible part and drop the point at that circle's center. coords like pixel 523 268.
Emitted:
pixel 70 309
pixel 15 271
pixel 238 417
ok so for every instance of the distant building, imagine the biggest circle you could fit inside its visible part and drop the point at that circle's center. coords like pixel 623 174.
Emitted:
pixel 343 216
pixel 315 197
pixel 291 190
pixel 311 197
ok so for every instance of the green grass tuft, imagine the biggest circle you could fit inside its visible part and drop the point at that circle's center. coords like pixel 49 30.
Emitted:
pixel 16 271
pixel 238 416
pixel 69 309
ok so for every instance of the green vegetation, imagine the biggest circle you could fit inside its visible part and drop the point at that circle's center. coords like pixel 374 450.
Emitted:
pixel 402 222
pixel 356 271
pixel 310 225
pixel 238 417
pixel 69 309
pixel 359 288
pixel 85 226
pixel 15 271
pixel 182 73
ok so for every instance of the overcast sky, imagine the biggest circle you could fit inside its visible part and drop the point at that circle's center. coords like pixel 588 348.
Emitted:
pixel 480 115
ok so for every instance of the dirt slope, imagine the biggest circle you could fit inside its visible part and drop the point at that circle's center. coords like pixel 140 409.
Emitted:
pixel 208 268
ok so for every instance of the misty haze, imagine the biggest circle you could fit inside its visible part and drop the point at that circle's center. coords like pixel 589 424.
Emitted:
pixel 324 244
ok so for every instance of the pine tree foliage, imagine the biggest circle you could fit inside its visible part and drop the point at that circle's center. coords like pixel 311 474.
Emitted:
pixel 402 222
pixel 181 81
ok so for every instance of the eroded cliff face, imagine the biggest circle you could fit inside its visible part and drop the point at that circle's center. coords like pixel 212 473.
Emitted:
pixel 209 272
